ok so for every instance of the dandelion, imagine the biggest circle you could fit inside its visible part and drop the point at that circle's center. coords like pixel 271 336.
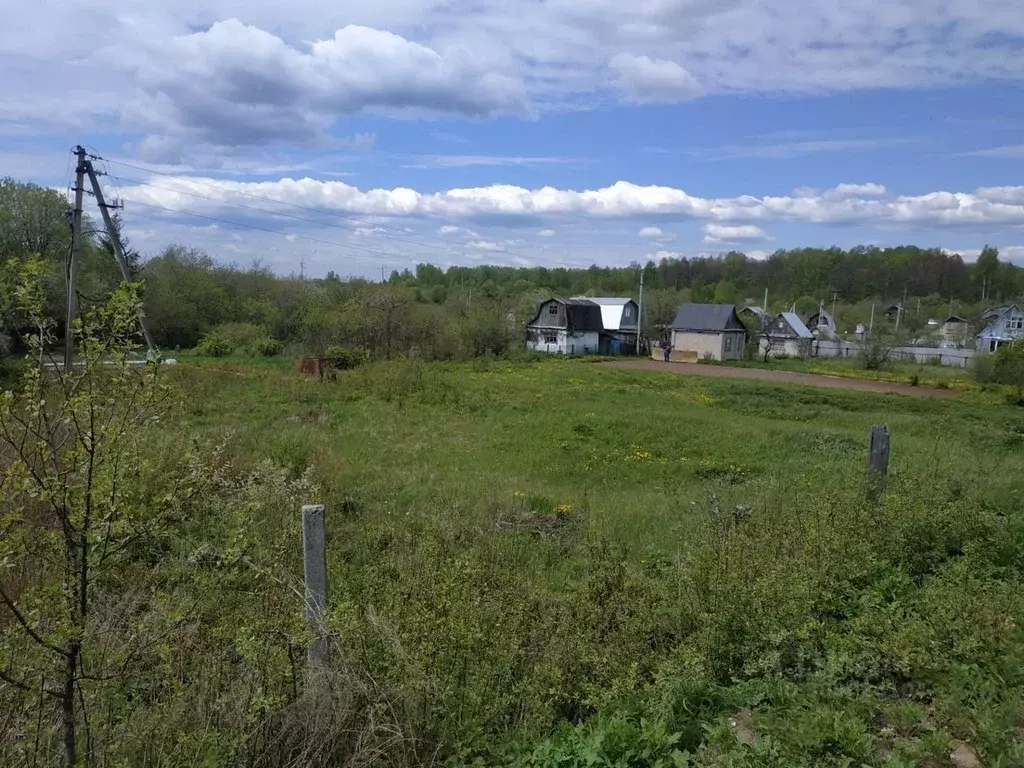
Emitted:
pixel 563 509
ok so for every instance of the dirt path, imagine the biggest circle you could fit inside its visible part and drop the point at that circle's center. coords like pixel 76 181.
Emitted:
pixel 782 377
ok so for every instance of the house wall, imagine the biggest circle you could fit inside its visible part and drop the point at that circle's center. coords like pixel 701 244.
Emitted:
pixel 1002 330
pixel 709 344
pixel 581 343
pixel 788 347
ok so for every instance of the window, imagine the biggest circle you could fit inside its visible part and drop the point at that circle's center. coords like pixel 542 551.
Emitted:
pixel 992 345
pixel 728 343
pixel 550 337
pixel 552 309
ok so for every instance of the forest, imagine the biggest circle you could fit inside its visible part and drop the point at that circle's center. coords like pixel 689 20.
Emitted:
pixel 460 311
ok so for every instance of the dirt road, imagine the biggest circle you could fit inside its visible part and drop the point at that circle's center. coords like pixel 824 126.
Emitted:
pixel 782 377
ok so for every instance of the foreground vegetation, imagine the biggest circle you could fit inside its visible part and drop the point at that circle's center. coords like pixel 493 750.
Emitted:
pixel 544 563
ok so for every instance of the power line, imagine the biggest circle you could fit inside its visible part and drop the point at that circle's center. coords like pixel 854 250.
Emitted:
pixel 247 226
pixel 211 183
pixel 272 213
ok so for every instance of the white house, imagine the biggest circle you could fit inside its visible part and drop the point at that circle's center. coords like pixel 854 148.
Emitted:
pixel 1005 325
pixel 566 327
pixel 707 330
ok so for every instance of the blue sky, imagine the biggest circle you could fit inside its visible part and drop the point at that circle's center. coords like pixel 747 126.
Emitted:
pixel 551 132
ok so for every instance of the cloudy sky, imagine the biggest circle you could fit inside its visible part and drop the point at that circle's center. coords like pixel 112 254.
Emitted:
pixel 367 134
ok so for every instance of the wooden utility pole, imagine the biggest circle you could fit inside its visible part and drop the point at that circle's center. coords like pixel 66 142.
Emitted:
pixel 765 305
pixel 834 294
pixel 640 313
pixel 72 274
pixel 115 241
pixel 871 322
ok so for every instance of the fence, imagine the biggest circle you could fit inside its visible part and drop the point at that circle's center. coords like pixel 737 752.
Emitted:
pixel 905 354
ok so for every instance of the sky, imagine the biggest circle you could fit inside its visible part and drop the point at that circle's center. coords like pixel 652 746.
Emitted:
pixel 365 136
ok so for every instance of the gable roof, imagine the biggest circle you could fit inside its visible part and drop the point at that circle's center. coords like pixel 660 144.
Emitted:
pixel 707 317
pixel 991 329
pixel 612 308
pixel 797 325
pixel 954 319
pixel 580 314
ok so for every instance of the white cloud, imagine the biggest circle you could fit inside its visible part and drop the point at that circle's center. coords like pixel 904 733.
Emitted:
pixel 722 233
pixel 651 232
pixel 448 229
pixel 235 83
pixel 1011 151
pixel 485 245
pixel 648 80
pixel 546 233
pixel 985 207
pixel 1014 253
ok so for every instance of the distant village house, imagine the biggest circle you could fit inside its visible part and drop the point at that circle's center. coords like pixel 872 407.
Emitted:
pixel 712 331
pixel 788 336
pixel 1005 325
pixel 584 326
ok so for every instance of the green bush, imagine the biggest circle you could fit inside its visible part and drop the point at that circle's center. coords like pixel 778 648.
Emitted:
pixel 266 347
pixel 214 345
pixel 983 368
pixel 1008 367
pixel 239 335
pixel 345 358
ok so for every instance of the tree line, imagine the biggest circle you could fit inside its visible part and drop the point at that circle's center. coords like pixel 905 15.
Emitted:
pixel 458 311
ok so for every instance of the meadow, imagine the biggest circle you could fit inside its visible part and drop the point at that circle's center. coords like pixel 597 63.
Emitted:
pixel 557 563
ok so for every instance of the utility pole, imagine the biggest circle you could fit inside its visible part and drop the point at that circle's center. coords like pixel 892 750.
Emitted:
pixel 115 240
pixel 901 308
pixel 76 234
pixel 765 306
pixel 871 322
pixel 950 306
pixel 640 313
pixel 834 294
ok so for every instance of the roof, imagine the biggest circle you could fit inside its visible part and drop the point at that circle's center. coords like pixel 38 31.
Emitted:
pixel 580 314
pixel 797 325
pixel 990 331
pixel 954 319
pixel 611 310
pixel 707 317
pixel 754 310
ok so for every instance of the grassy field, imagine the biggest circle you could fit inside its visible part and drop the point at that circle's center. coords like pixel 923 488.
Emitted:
pixel 543 563
pixel 556 563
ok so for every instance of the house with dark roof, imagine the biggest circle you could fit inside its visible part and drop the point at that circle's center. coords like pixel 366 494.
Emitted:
pixel 707 331
pixel 787 335
pixel 620 322
pixel 566 327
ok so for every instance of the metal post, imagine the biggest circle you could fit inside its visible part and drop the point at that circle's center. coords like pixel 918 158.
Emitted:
pixel 878 459
pixel 314 553
pixel 115 240
pixel 76 234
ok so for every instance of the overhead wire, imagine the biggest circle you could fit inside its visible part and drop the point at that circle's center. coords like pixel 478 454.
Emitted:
pixel 273 213
pixel 249 226
pixel 311 209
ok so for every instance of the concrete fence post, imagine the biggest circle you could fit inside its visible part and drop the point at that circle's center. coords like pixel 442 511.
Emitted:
pixel 314 553
pixel 878 459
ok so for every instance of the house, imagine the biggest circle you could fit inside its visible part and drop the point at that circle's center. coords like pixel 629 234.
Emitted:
pixel 707 331
pixel 993 312
pixel 892 312
pixel 619 320
pixel 1003 328
pixel 787 335
pixel 566 327
pixel 822 325
pixel 956 329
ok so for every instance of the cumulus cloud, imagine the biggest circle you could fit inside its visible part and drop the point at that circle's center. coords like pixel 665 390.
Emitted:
pixel 723 233
pixel 546 233
pixel 646 80
pixel 984 207
pixel 235 83
pixel 651 232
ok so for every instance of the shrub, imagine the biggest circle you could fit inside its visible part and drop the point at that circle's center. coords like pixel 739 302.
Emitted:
pixel 983 369
pixel 266 347
pixel 214 345
pixel 345 358
pixel 239 335
pixel 1008 367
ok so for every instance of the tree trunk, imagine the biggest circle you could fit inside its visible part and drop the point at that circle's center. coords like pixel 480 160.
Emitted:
pixel 67 706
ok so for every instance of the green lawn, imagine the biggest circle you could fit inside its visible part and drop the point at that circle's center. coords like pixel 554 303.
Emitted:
pixel 541 562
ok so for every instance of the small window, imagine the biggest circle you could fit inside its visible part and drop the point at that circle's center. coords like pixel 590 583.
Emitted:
pixel 552 309
pixel 728 343
pixel 550 337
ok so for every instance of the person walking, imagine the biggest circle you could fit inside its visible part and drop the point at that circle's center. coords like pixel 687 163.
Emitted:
pixel 666 351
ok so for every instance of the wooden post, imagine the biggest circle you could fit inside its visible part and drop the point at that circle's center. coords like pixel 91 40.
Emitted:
pixel 878 459
pixel 314 552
